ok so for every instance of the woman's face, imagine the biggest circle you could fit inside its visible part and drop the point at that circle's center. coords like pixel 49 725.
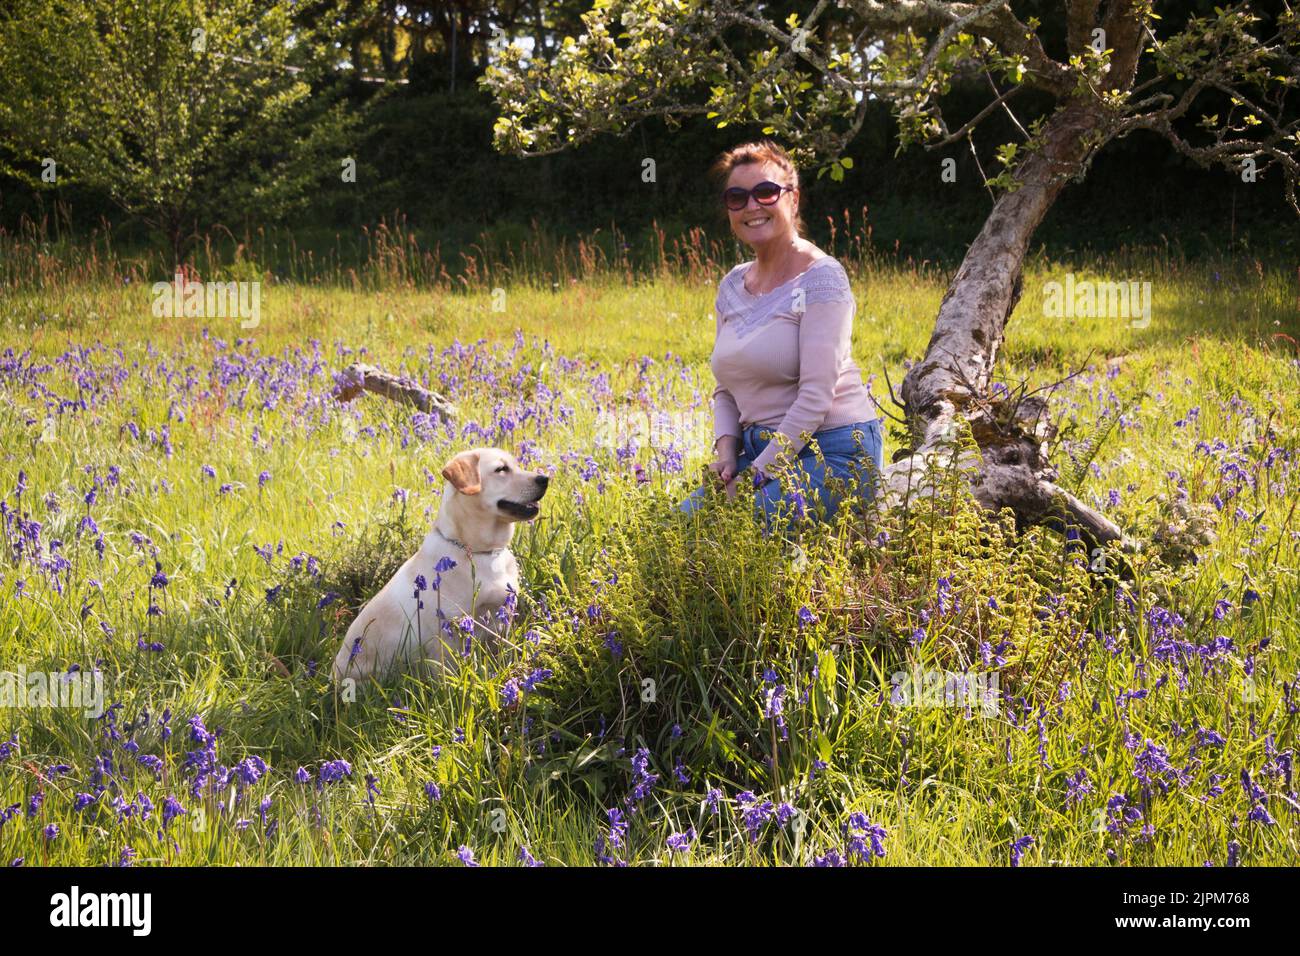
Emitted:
pixel 756 224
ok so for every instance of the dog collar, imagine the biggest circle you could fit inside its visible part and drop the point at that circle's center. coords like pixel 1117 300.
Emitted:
pixel 463 546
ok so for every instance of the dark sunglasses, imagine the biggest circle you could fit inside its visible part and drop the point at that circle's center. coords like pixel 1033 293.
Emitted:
pixel 765 193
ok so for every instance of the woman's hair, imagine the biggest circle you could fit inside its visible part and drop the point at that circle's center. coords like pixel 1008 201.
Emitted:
pixel 759 151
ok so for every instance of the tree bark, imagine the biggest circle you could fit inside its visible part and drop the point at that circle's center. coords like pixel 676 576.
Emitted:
pixel 952 383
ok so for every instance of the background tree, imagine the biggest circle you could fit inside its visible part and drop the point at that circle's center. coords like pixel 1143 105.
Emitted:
pixel 1105 69
pixel 187 113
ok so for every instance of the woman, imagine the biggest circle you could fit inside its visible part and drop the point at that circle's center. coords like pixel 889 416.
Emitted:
pixel 782 355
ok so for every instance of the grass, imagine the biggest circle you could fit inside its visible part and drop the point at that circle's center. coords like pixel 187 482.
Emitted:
pixel 1129 710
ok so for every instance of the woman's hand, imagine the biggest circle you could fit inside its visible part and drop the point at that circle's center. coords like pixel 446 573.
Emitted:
pixel 724 469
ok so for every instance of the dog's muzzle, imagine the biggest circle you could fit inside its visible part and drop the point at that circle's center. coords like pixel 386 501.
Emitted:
pixel 526 509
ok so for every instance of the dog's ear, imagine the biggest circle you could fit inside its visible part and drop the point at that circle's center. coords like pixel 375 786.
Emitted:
pixel 462 472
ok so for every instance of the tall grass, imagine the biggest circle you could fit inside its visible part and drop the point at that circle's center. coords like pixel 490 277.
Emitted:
pixel 735 692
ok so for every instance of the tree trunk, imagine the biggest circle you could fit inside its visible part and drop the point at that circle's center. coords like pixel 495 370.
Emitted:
pixel 952 382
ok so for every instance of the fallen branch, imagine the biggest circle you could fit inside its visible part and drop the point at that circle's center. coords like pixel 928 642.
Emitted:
pixel 359 377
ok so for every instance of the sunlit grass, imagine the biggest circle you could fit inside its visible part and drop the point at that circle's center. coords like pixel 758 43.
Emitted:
pixel 1091 671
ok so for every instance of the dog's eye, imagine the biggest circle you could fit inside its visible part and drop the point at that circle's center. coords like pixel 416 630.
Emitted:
pixel 502 469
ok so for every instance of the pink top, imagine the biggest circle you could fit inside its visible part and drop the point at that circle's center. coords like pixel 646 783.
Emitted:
pixel 783 359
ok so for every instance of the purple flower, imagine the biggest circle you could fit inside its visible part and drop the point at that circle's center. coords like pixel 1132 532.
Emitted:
pixel 644 780
pixel 711 800
pixel 681 842
pixel 466 855
pixel 171 810
pixel 860 832
pixel 510 693
pixel 333 771
pixel 536 677
pixel 1018 849
pixel 527 859
pixel 1076 786
pixel 617 826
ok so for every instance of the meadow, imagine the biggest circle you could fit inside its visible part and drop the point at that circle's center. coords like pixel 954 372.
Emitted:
pixel 189 512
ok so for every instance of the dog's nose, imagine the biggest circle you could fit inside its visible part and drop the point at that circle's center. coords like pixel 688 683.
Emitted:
pixel 543 481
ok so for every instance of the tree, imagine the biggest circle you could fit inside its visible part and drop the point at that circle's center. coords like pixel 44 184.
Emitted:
pixel 1107 69
pixel 185 112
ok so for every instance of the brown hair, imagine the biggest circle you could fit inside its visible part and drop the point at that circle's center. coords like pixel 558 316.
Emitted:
pixel 758 151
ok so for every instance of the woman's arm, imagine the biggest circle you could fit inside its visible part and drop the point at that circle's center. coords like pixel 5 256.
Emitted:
pixel 726 413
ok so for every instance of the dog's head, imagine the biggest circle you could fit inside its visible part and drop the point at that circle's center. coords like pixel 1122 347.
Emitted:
pixel 491 481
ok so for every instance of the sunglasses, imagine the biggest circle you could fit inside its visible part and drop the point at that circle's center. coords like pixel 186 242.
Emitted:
pixel 765 194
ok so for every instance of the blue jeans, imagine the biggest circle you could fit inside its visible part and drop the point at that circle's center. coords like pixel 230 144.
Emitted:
pixel 856 460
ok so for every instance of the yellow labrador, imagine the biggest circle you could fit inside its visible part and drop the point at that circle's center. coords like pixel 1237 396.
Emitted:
pixel 485 493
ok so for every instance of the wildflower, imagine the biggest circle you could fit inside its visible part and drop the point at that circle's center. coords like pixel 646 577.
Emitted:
pixel 527 859
pixel 871 833
pixel 681 842
pixel 711 800
pixel 1119 815
pixel 1018 849
pixel 1076 786
pixel 679 772
pixel 644 779
pixel 171 810
pixel 774 708
pixel 757 813
pixel 617 826
pixel 536 677
pixel 510 693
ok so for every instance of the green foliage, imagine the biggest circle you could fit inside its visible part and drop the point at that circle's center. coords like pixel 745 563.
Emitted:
pixel 186 112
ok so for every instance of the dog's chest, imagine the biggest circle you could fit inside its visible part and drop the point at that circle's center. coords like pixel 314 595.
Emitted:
pixel 495 576
pixel 484 581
